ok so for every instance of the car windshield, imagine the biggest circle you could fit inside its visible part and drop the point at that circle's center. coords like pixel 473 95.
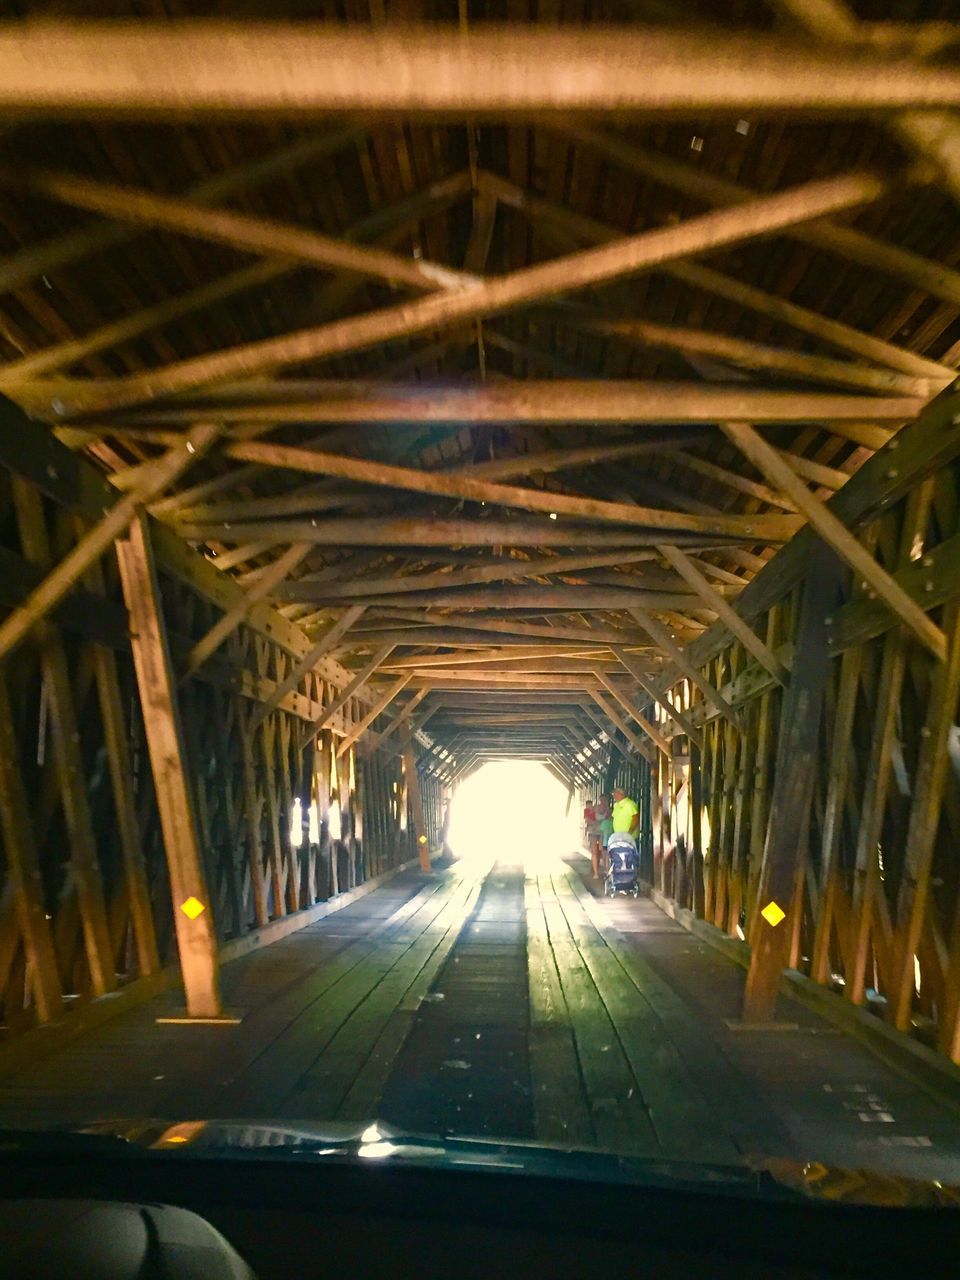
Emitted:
pixel 479 592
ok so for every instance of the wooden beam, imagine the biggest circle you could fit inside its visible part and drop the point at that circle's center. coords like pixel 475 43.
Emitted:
pixel 616 719
pixel 274 574
pixel 74 68
pixel 196 938
pixel 725 612
pixel 918 450
pixel 528 630
pixel 397 218
pixel 551 460
pixel 415 800
pixel 437 531
pixel 930 779
pixel 847 243
pixel 504 570
pixel 353 687
pixel 61 355
pixel 931 580
pixel 403 716
pixel 583 269
pixel 93 544
pixel 932 135
pixel 733 480
pixel 659 741
pixel 522 666
pixel 766 528
pixel 788 823
pixel 556 401
pixel 568 229
pixel 647 685
pixel 826 477
pixel 662 637
pixel 470 657
pixel 766 459
pixel 330 638
pixel 381 704
pixel 52 255
pixel 567 597
pixel 123 782
pixel 744 354
pixel 239 230
pixel 468 679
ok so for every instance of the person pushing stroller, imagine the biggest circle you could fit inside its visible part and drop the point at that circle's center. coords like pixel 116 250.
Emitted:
pixel 623 859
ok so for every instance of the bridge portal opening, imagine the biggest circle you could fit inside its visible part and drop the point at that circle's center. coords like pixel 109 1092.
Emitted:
pixel 514 810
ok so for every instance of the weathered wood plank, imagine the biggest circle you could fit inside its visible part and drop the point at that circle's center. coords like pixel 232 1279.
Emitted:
pixel 682 1118
pixel 196 938
pixel 66 67
pixel 789 815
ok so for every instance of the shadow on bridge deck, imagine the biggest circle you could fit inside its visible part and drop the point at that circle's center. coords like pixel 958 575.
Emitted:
pixel 486 999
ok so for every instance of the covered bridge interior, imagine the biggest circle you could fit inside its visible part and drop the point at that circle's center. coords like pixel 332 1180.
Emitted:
pixel 385 399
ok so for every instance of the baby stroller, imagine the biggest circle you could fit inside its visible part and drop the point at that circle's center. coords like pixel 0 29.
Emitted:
pixel 623 865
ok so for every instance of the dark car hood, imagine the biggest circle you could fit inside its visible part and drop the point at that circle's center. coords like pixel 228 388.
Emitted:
pixel 757 1176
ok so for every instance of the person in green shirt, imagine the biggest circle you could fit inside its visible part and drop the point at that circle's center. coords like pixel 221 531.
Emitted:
pixel 626 815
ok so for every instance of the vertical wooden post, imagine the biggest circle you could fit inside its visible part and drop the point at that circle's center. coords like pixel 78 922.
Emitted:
pixel 738 855
pixel 789 817
pixel 769 701
pixel 124 792
pixel 696 827
pixel 656 813
pixel 285 787
pixel 121 778
pixel 196 938
pixel 713 740
pixel 727 783
pixel 325 853
pixel 666 825
pixel 23 869
pixel 336 797
pixel 348 803
pixel 925 812
pixel 308 888
pixel 867 882
pixel 416 803
pixel 838 783
pixel 252 808
pixel 68 758
pixel 267 734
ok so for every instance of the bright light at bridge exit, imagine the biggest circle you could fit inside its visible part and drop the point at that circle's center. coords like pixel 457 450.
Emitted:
pixel 516 811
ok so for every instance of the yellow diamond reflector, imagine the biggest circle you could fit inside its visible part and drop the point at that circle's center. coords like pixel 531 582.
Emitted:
pixel 192 908
pixel 773 913
pixel 421 840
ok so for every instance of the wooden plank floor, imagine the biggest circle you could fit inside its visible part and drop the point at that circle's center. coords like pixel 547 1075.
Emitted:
pixel 503 1001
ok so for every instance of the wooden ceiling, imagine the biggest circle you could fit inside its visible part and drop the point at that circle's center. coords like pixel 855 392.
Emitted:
pixel 472 308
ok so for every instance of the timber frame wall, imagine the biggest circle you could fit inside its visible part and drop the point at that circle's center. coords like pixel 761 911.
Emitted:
pixel 86 904
pixel 873 904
